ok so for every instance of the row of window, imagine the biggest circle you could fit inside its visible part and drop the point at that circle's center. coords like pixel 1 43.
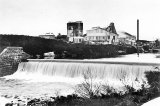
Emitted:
pixel 99 37
pixel 78 40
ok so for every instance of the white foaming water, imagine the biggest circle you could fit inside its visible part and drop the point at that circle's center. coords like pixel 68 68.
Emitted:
pixel 3 101
pixel 74 73
pixel 39 79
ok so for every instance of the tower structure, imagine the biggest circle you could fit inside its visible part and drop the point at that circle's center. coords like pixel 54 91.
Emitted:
pixel 74 29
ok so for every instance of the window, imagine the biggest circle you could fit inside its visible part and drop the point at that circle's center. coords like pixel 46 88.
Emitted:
pixel 108 37
pixel 96 37
pixel 113 37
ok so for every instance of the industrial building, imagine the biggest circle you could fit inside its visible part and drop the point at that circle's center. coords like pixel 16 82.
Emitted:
pixel 47 36
pixel 75 31
pixel 126 38
pixel 98 35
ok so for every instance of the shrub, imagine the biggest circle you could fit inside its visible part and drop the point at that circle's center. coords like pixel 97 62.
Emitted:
pixel 153 78
pixel 88 88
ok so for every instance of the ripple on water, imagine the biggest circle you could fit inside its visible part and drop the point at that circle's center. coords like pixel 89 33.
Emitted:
pixel 11 88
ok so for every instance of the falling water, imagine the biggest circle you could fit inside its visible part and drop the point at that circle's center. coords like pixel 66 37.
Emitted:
pixel 41 78
pixel 73 72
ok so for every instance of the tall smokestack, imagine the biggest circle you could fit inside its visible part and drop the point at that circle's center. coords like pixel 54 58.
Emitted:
pixel 137 29
pixel 138 37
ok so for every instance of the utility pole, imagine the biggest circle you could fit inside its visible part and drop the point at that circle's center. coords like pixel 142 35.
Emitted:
pixel 138 37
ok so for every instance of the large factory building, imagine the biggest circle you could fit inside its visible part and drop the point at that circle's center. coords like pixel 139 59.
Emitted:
pixel 75 31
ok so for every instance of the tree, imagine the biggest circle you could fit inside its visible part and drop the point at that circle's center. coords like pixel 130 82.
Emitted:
pixel 157 42
pixel 61 37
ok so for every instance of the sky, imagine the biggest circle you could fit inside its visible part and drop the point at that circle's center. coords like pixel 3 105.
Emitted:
pixel 35 17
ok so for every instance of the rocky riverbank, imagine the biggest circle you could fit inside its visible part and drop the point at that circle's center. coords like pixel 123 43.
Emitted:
pixel 22 101
pixel 7 66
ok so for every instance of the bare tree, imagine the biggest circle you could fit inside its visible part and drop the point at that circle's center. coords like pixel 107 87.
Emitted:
pixel 89 88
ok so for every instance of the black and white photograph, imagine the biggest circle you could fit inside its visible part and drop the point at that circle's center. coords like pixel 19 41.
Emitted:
pixel 79 52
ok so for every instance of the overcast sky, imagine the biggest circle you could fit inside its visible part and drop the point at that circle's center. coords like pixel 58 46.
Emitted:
pixel 33 17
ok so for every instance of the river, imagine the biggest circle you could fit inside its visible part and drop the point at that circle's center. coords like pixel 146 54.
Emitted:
pixel 35 80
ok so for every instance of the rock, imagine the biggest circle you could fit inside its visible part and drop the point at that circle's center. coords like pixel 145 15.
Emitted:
pixel 154 102
pixel 9 104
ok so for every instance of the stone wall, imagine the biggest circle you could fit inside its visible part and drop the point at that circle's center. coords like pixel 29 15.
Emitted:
pixel 10 57
pixel 7 66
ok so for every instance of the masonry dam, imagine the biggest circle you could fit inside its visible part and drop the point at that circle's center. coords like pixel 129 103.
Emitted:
pixel 74 71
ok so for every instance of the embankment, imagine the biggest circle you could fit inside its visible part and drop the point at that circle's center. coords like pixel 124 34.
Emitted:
pixel 38 46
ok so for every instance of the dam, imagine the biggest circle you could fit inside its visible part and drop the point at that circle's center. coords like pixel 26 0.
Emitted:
pixel 45 77
pixel 74 71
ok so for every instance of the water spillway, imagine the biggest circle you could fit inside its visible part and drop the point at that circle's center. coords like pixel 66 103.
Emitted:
pixel 61 70
pixel 40 77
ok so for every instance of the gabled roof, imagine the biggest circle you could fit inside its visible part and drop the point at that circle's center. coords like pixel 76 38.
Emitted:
pixel 111 28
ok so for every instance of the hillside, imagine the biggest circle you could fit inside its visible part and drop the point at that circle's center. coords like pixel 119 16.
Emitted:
pixel 38 46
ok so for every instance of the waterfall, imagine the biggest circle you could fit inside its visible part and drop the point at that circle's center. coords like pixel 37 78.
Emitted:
pixel 39 77
pixel 61 71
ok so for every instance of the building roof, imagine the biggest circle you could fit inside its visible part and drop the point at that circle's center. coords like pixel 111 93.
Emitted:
pixel 123 34
pixel 111 28
pixel 75 22
pixel 98 28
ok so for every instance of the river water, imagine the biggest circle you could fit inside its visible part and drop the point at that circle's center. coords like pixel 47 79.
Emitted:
pixel 45 79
